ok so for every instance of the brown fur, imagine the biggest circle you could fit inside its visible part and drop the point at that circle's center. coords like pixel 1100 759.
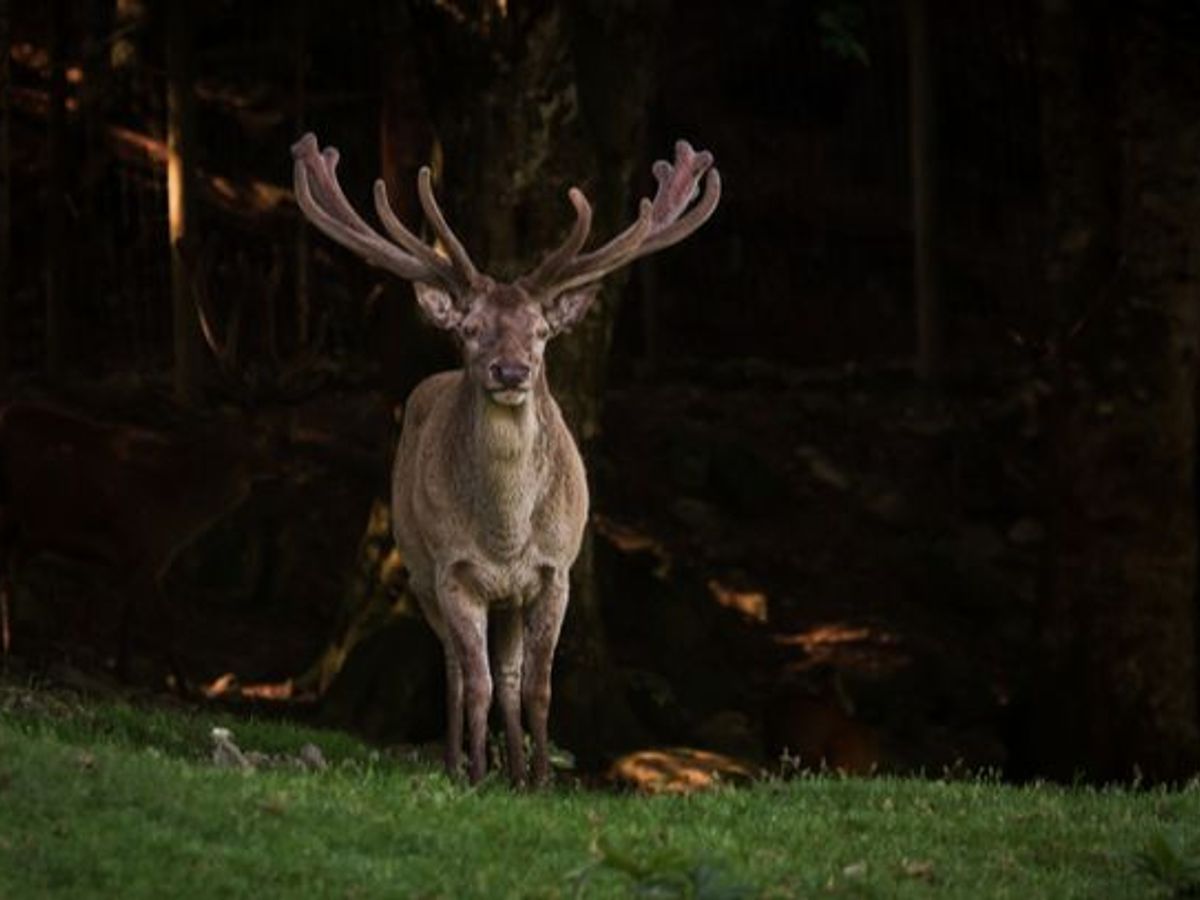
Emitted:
pixel 489 508
pixel 489 497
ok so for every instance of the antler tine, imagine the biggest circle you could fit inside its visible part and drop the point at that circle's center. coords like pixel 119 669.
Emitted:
pixel 324 204
pixel 433 212
pixel 681 228
pixel 405 238
pixel 660 223
pixel 554 262
pixel 620 250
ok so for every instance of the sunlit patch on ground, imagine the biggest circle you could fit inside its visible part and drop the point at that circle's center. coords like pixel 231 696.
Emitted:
pixel 631 540
pixel 228 685
pixel 679 770
pixel 848 646
pixel 751 604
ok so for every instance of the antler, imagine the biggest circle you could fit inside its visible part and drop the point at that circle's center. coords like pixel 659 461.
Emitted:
pixel 321 198
pixel 660 223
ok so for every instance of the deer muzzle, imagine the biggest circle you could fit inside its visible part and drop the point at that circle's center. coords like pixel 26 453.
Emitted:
pixel 509 382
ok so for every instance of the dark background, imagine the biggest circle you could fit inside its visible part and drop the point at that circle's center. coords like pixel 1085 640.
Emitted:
pixel 893 460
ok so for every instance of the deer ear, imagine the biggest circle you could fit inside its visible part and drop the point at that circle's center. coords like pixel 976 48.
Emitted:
pixel 438 306
pixel 564 311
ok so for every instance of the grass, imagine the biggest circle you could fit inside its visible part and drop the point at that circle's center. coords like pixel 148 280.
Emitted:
pixel 108 799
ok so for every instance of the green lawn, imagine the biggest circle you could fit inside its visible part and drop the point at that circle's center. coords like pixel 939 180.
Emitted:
pixel 109 800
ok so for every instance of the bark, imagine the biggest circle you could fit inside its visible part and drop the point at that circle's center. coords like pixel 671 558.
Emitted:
pixel 130 16
pixel 922 128
pixel 302 254
pixel 6 280
pixel 98 253
pixel 527 105
pixel 407 348
pixel 56 200
pixel 187 338
pixel 1116 689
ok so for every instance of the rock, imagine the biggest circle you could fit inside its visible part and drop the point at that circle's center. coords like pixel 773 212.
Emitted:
pixel 312 758
pixel 226 754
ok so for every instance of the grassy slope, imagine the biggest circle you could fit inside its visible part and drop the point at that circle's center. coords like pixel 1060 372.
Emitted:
pixel 110 800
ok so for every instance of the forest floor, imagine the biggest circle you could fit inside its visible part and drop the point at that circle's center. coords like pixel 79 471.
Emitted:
pixel 832 563
pixel 114 798
pixel 826 565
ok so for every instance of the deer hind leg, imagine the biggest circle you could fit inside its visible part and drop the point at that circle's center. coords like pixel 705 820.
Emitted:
pixel 454 710
pixel 543 622
pixel 509 638
pixel 466 628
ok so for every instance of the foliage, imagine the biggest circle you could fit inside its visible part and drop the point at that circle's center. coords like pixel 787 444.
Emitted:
pixel 841 22
pixel 1165 863
pixel 662 871
pixel 116 799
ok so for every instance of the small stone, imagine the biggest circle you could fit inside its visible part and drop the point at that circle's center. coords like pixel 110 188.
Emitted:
pixel 917 868
pixel 313 758
pixel 226 754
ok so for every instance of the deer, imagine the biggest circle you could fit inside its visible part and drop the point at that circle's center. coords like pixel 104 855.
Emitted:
pixel 489 494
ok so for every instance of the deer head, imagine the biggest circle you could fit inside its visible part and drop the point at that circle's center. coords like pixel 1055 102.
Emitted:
pixel 503 328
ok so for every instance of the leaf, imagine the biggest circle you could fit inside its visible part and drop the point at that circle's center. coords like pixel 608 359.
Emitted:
pixel 917 868
pixel 855 869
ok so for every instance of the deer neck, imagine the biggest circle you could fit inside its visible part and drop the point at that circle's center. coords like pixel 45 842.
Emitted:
pixel 502 463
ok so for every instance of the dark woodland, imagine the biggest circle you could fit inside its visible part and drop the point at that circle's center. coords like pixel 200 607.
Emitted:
pixel 893 462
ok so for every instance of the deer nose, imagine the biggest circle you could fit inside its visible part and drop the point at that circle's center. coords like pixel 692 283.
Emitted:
pixel 510 375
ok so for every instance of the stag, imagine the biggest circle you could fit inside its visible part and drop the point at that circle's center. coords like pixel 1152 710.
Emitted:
pixel 489 494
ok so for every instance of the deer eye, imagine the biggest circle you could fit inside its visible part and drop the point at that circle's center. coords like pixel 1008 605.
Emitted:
pixel 470 330
pixel 541 332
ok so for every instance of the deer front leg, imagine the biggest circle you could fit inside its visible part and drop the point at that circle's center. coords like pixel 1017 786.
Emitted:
pixel 543 622
pixel 466 629
pixel 508 652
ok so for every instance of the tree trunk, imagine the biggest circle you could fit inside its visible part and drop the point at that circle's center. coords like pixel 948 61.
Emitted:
pixel 407 348
pixel 6 279
pixel 303 257
pixel 554 96
pixel 130 16
pixel 187 338
pixel 921 131
pixel 56 199
pixel 1116 689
